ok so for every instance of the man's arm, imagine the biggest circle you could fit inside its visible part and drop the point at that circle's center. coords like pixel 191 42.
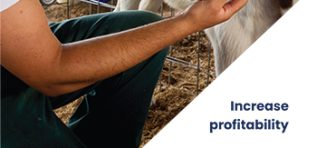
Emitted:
pixel 31 52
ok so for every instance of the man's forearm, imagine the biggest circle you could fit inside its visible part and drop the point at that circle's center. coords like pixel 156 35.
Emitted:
pixel 85 62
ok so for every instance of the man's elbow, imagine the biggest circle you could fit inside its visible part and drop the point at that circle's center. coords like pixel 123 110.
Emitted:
pixel 54 89
pixel 51 90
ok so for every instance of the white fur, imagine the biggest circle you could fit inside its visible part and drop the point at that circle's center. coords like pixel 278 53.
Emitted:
pixel 179 4
pixel 232 38
pixel 150 5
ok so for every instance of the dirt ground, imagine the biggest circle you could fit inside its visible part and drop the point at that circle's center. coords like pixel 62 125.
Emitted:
pixel 178 83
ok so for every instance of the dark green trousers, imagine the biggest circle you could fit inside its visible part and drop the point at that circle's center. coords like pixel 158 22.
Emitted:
pixel 117 106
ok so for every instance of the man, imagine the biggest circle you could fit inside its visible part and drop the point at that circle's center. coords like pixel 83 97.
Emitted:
pixel 42 71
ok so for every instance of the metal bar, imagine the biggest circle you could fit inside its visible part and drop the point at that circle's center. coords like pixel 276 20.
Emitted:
pixel 162 9
pixel 209 65
pixel 170 66
pixel 182 62
pixel 198 67
pixel 172 12
pixel 90 7
pixel 98 7
pixel 95 2
pixel 68 10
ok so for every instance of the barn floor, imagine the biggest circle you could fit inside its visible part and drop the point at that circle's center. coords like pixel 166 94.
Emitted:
pixel 177 85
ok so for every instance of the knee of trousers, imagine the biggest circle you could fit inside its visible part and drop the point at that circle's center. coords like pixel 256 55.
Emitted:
pixel 146 17
pixel 131 19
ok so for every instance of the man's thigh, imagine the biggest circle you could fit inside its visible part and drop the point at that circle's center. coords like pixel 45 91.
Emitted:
pixel 100 24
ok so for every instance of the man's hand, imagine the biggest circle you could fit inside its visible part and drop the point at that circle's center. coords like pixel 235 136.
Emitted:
pixel 207 13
